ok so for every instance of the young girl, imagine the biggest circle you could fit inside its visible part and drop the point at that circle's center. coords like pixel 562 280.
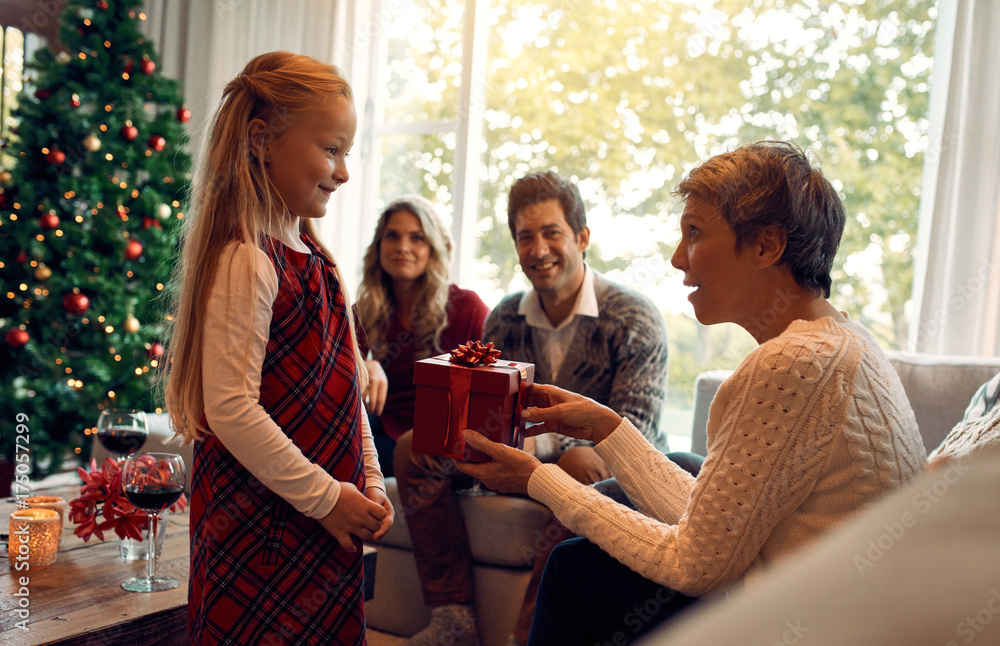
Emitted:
pixel 265 374
pixel 409 311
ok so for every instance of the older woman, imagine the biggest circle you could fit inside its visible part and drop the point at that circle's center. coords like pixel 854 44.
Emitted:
pixel 813 423
pixel 408 311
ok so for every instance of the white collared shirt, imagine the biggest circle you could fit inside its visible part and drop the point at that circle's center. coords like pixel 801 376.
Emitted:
pixel 552 343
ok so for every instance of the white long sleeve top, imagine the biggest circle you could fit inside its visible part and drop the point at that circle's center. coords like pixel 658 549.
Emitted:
pixel 238 316
pixel 811 426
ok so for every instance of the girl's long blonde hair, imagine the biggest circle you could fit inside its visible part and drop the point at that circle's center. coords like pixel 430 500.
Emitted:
pixel 232 201
pixel 376 301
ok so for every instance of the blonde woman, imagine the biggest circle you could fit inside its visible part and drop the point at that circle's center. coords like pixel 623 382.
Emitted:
pixel 408 311
pixel 265 375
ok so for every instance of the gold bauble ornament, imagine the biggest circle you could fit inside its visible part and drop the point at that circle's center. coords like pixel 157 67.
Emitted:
pixel 42 272
pixel 92 143
pixel 4 176
pixel 131 325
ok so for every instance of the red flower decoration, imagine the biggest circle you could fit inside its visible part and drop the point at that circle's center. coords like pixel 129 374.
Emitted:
pixel 101 496
pixel 474 353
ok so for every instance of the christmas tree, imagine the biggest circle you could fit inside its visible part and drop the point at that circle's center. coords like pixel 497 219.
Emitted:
pixel 89 219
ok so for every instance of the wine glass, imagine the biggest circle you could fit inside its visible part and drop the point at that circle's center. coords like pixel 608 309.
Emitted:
pixel 122 432
pixel 152 482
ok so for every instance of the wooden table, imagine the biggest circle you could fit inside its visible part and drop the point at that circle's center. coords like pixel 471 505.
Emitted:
pixel 79 598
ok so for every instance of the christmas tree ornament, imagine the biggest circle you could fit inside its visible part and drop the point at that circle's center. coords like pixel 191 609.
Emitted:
pixel 48 220
pixel 56 156
pixel 63 57
pixel 133 250
pixel 131 324
pixel 164 211
pixel 121 213
pixel 16 337
pixel 41 94
pixel 183 115
pixel 43 273
pixel 4 176
pixel 157 143
pixel 147 66
pixel 74 101
pixel 154 350
pixel 22 257
pixel 128 66
pixel 76 303
pixel 102 5
pixel 129 132
pixel 151 223
pixel 92 143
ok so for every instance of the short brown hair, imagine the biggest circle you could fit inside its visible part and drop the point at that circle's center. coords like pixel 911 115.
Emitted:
pixel 772 183
pixel 542 187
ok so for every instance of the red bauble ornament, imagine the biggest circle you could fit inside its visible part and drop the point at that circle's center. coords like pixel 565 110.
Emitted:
pixel 22 257
pixel 183 115
pixel 56 156
pixel 128 66
pixel 76 303
pixel 147 66
pixel 74 101
pixel 155 350
pixel 156 142
pixel 102 5
pixel 41 94
pixel 129 132
pixel 48 220
pixel 16 337
pixel 133 250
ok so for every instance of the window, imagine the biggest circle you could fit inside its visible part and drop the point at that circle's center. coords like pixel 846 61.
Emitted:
pixel 626 96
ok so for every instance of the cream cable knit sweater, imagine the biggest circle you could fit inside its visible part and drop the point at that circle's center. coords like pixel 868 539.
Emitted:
pixel 811 426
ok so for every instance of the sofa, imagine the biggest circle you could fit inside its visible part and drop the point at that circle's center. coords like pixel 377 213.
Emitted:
pixel 939 389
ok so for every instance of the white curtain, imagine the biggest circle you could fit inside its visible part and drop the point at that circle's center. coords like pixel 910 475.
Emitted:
pixel 957 276
pixel 206 44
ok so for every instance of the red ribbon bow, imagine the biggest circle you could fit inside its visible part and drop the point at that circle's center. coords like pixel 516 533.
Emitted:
pixel 474 353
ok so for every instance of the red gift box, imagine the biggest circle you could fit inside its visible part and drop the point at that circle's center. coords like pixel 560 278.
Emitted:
pixel 452 397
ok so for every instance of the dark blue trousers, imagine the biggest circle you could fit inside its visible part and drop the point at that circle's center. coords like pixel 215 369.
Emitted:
pixel 588 598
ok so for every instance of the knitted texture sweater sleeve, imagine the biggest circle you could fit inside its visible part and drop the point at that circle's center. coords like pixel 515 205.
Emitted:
pixel 799 437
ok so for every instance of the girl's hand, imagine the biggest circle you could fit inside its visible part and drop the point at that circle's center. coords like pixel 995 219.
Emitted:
pixel 353 515
pixel 510 469
pixel 378 497
pixel 569 414
pixel 378 388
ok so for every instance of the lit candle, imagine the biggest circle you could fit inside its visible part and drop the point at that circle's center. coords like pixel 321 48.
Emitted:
pixel 33 538
pixel 55 503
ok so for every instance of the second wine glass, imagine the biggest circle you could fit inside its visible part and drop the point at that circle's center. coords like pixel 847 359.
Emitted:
pixel 152 482
pixel 122 432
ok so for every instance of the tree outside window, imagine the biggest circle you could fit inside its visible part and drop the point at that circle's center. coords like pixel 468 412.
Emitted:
pixel 626 96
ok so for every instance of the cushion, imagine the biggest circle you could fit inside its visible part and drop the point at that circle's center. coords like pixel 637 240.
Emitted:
pixel 503 530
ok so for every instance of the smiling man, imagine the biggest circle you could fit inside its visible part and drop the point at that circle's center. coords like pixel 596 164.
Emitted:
pixel 583 333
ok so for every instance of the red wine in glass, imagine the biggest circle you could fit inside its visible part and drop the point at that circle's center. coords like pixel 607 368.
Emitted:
pixel 121 440
pixel 152 482
pixel 122 432
pixel 154 497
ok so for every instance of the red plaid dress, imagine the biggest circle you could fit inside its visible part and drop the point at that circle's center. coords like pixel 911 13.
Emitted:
pixel 261 572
